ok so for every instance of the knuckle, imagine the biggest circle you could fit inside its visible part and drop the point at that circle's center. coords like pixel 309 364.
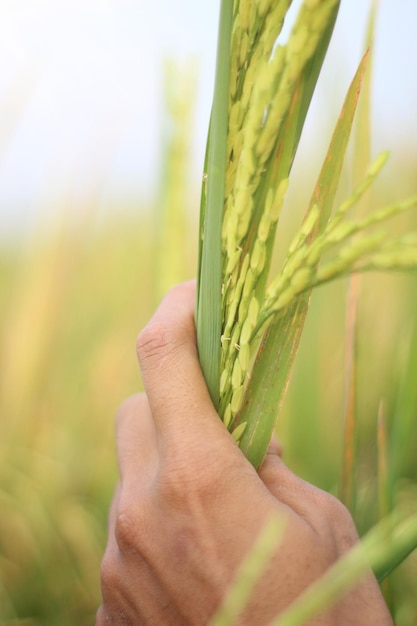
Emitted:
pixel 337 510
pixel 342 526
pixel 154 342
pixel 185 480
pixel 133 529
pixel 101 617
pixel 126 530
pixel 270 468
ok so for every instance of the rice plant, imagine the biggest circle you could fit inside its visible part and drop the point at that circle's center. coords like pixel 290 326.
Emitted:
pixel 248 330
pixel 249 325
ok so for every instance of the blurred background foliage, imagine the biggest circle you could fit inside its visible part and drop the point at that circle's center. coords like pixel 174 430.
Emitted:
pixel 74 295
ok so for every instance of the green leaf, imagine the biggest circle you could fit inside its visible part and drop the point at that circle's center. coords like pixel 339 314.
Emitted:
pixel 361 161
pixel 208 308
pixel 403 437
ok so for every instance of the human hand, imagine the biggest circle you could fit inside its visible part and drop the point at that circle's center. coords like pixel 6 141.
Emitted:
pixel 189 505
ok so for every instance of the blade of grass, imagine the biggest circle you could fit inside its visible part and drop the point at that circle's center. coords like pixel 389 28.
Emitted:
pixel 402 444
pixel 208 320
pixel 384 489
pixel 347 491
pixel 401 542
pixel 273 365
pixel 361 162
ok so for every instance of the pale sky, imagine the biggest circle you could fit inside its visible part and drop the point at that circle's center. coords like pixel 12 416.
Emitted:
pixel 80 89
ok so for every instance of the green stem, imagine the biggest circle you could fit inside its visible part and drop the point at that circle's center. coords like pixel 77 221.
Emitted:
pixel 210 272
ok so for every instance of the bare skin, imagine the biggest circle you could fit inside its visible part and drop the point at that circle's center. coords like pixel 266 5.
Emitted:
pixel 189 505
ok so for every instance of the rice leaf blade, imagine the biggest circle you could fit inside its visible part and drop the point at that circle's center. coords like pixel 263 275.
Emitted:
pixel 402 444
pixel 208 320
pixel 347 492
pixel 361 161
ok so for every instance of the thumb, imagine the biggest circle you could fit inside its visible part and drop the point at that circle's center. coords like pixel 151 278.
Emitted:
pixel 172 376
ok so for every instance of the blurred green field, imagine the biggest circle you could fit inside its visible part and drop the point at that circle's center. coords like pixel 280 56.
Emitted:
pixel 73 301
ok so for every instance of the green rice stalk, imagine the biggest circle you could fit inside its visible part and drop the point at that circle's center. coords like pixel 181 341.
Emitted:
pixel 403 425
pixel 361 163
pixel 347 482
pixel 385 503
pixel 208 307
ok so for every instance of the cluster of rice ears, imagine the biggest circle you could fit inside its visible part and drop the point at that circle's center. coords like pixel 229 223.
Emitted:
pixel 249 329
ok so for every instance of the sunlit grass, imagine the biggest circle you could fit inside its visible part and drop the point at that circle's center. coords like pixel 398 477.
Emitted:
pixel 68 346
pixel 68 365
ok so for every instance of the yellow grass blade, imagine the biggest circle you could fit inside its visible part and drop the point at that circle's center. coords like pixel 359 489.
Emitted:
pixel 361 162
